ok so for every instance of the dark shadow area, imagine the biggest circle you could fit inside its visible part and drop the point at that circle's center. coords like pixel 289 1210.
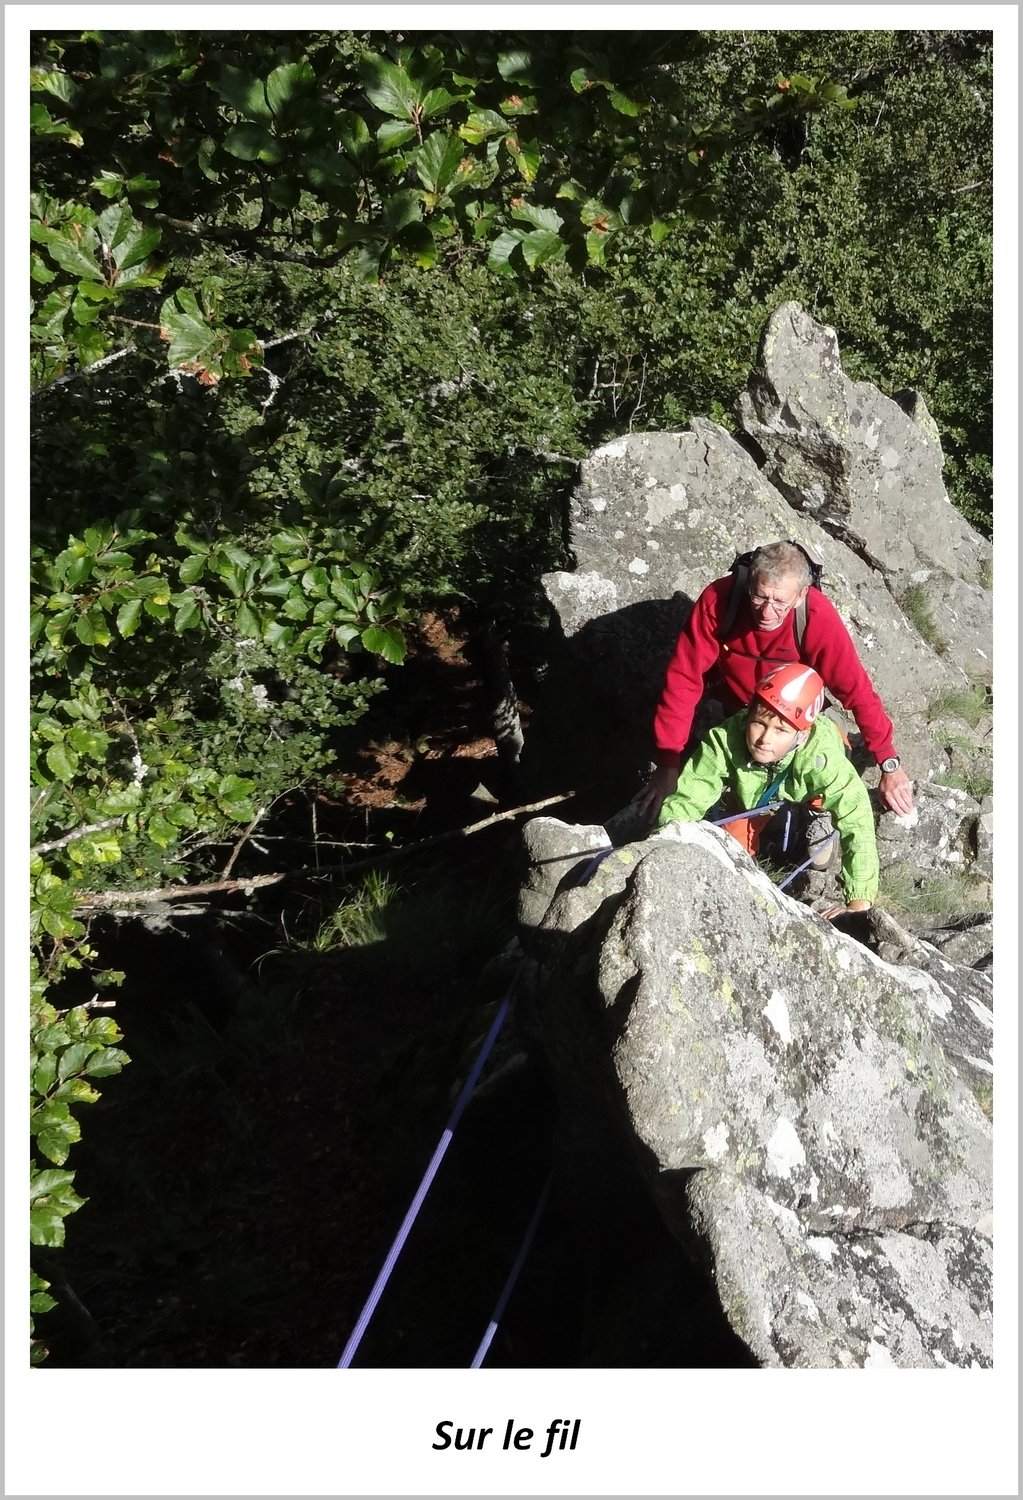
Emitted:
pixel 248 1171
pixel 586 724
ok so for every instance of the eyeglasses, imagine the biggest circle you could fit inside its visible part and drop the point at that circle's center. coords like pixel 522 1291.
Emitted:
pixel 777 606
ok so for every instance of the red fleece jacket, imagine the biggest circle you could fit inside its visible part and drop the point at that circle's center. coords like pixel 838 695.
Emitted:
pixel 749 654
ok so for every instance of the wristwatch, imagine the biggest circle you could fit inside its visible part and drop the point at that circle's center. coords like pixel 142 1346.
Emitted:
pixel 891 764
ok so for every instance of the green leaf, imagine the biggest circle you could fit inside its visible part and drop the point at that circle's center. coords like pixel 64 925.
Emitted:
pixel 56 83
pixel 540 218
pixel 90 742
pixel 73 1059
pixel 74 253
pixel 39 270
pixel 128 617
pixel 55 1141
pixel 418 241
pixel 353 134
pixel 287 81
pixel 437 160
pixel 49 1181
pixel 626 106
pixel 245 92
pixel 191 341
pixel 92 629
pixel 46 1225
pixel 438 100
pixel 187 616
pixel 526 155
pixel 400 210
pixel 503 247
pixel 107 1061
pixel 41 122
pixel 516 67
pixel 161 830
pixel 62 762
pixel 388 87
pixel 386 641
pixel 248 623
pixel 252 142
pixel 394 133
pixel 482 124
pixel 45 1074
pixel 541 246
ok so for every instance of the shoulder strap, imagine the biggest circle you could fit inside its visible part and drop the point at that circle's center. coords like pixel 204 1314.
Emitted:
pixel 800 623
pixel 767 794
pixel 740 573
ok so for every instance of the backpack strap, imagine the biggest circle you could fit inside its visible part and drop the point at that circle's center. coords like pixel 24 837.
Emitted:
pixel 800 623
pixel 740 574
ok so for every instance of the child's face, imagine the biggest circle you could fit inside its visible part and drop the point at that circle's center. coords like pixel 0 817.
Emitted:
pixel 768 736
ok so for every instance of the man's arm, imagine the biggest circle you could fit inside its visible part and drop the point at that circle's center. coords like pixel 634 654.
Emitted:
pixel 830 649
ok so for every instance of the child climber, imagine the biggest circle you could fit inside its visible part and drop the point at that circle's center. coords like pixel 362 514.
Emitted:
pixel 779 749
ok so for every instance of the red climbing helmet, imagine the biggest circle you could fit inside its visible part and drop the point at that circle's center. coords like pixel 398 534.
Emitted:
pixel 794 691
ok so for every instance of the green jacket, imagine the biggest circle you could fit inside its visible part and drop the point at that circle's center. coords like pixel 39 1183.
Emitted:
pixel 820 768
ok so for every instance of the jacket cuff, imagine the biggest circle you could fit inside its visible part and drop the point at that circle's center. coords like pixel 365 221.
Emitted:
pixel 860 893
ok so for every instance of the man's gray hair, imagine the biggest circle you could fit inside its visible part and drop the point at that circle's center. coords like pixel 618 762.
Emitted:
pixel 779 561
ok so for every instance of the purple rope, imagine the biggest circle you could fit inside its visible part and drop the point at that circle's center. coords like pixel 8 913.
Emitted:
pixel 513 1275
pixel 588 871
pixel 417 1202
pixel 751 812
pixel 823 845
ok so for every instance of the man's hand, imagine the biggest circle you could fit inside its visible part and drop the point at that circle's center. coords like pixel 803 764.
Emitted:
pixel 895 791
pixel 831 912
pixel 661 784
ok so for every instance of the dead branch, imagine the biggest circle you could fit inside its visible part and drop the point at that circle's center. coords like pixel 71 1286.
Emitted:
pixel 93 901
pixel 79 833
pixel 108 359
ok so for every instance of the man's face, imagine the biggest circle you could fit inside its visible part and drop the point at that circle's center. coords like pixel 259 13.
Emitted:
pixel 768 736
pixel 771 602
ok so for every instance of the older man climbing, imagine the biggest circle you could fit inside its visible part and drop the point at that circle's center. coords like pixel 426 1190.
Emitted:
pixel 739 629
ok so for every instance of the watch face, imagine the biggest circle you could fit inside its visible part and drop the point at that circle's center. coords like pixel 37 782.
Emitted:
pixel 892 764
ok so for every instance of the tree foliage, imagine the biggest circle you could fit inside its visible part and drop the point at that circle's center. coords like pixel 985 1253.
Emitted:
pixel 321 322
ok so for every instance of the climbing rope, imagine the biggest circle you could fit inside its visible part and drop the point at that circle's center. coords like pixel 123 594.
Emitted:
pixel 513 1274
pixel 751 812
pixel 824 844
pixel 424 1187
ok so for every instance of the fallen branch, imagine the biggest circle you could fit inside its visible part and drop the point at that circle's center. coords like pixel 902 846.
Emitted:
pixel 108 900
pixel 79 833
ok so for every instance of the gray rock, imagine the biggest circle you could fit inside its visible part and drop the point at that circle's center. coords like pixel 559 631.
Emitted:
pixel 869 468
pixel 803 1300
pixel 783 1086
pixel 985 838
pixel 936 837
